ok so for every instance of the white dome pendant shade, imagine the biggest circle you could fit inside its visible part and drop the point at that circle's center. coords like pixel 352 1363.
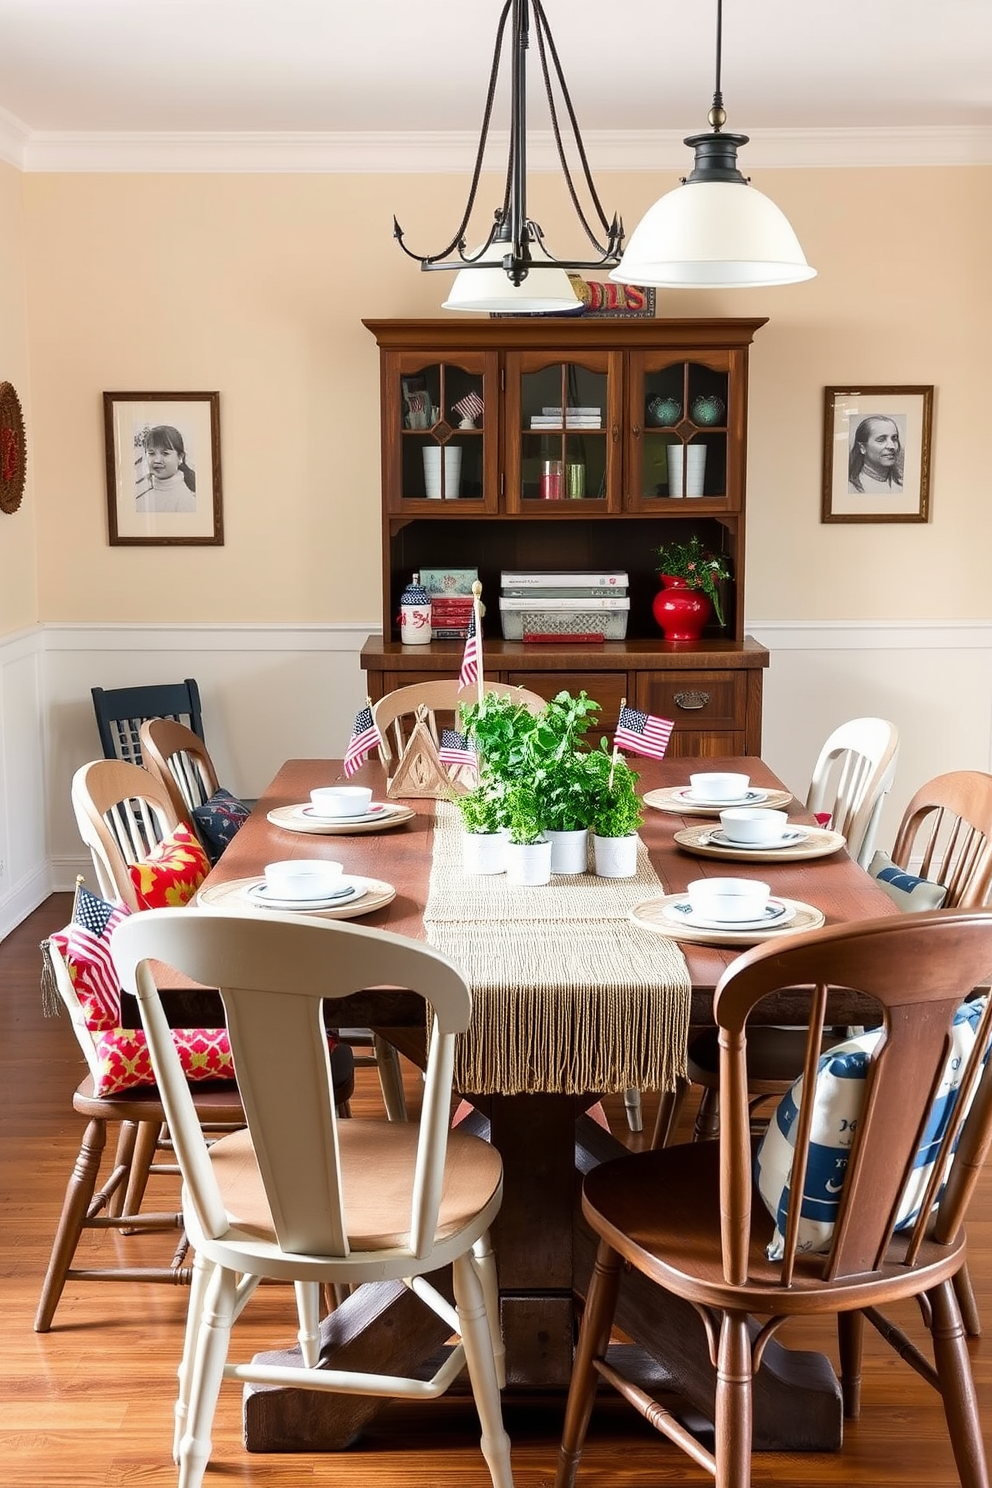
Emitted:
pixel 713 235
pixel 546 289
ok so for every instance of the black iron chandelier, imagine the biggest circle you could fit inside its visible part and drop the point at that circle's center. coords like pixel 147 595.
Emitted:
pixel 492 277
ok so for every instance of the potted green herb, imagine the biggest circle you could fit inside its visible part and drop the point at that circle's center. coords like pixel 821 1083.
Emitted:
pixel 528 850
pixel 560 777
pixel 483 813
pixel 618 812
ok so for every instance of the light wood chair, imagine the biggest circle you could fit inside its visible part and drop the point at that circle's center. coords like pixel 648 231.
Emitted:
pixel 120 711
pixel 318 1203
pixel 122 812
pixel 852 775
pixel 688 1218
pixel 395 713
pixel 179 759
pixel 946 836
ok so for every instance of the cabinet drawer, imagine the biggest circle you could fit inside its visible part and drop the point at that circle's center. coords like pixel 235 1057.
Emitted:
pixel 608 689
pixel 701 701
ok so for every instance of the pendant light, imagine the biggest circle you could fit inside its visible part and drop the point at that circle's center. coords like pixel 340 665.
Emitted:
pixel 714 231
pixel 513 270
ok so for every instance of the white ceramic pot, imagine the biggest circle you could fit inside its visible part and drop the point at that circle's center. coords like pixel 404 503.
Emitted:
pixel 528 862
pixel 483 852
pixel 569 851
pixel 616 857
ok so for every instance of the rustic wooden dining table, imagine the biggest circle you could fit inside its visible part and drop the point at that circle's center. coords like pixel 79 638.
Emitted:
pixel 546 1139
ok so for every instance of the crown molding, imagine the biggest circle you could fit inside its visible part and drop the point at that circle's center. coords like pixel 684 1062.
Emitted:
pixel 443 153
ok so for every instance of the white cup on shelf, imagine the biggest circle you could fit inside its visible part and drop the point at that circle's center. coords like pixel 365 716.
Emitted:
pixel 432 470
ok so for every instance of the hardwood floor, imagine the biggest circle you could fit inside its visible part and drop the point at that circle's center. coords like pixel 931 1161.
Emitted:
pixel 89 1405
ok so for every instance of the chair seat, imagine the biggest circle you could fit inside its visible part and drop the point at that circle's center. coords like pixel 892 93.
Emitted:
pixel 665 1206
pixel 377 1165
pixel 215 1101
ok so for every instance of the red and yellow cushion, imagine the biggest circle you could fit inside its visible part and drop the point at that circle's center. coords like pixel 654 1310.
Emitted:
pixel 172 872
pixel 125 1064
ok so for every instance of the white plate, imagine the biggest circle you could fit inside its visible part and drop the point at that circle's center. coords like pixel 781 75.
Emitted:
pixel 776 913
pixel 752 797
pixel 261 896
pixel 375 811
pixel 792 838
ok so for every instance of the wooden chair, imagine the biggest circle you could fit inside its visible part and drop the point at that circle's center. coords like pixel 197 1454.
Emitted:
pixel 318 1203
pixel 122 812
pixel 395 713
pixel 120 712
pixel 179 759
pixel 688 1219
pixel 851 777
pixel 946 836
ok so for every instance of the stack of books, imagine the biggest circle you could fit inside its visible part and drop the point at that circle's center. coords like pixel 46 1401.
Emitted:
pixel 585 605
pixel 574 418
pixel 450 616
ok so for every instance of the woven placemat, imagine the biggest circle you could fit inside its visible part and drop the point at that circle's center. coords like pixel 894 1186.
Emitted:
pixel 567 997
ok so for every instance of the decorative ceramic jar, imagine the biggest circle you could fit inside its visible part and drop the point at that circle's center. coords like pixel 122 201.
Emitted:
pixel 415 614
pixel 681 612
pixel 664 412
pixel 707 409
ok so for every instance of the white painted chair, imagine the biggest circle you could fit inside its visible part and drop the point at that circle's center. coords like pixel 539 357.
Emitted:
pixel 852 775
pixel 310 1193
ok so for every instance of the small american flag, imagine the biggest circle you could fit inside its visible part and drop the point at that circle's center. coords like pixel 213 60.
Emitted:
pixel 456 750
pixel 642 733
pixel 86 941
pixel 364 738
pixel 472 659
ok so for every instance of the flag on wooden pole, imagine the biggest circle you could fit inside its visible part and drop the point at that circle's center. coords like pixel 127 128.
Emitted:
pixel 642 733
pixel 364 738
pixel 472 659
pixel 456 750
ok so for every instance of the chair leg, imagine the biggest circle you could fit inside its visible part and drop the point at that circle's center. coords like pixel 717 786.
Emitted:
pixel 142 1157
pixel 850 1338
pixel 476 1332
pixel 308 1312
pixel 390 1078
pixel 707 1127
pixel 965 1294
pixel 733 1412
pixel 213 1332
pixel 126 1139
pixel 594 1337
pixel 669 1111
pixel 485 1265
pixel 202 1271
pixel 632 1107
pixel 75 1208
pixel 957 1387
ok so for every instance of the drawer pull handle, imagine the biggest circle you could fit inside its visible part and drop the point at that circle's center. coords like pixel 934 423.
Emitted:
pixel 691 700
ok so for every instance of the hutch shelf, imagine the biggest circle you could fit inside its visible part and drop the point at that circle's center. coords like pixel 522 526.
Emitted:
pixel 472 413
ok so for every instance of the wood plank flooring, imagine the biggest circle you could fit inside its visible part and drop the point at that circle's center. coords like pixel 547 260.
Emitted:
pixel 89 1405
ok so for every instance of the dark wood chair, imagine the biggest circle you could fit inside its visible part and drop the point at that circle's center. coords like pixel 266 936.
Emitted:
pixel 689 1218
pixel 120 712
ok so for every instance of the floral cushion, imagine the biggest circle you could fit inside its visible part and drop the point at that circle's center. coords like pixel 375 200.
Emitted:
pixel 840 1092
pixel 218 820
pixel 172 871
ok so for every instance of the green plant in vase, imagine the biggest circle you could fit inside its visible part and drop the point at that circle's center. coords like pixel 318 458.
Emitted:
pixel 499 727
pixel 557 755
pixel 617 809
pixel 698 567
pixel 483 808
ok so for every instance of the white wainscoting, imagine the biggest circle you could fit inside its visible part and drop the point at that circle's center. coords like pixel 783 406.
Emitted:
pixel 272 692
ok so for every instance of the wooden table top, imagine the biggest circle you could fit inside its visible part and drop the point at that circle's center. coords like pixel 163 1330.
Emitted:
pixel 402 857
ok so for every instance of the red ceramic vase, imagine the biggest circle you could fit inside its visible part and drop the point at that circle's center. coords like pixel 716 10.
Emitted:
pixel 681 612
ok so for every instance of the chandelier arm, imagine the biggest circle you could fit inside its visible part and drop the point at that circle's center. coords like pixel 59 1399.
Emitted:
pixel 718 116
pixel 612 229
pixel 458 241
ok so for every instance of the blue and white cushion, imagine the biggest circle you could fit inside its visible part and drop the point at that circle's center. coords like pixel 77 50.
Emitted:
pixel 905 889
pixel 840 1092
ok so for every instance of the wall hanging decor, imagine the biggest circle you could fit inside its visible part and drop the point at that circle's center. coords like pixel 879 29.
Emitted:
pixel 876 454
pixel 13 449
pixel 163 469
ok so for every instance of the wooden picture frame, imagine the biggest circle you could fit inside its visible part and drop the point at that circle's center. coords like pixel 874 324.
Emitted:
pixel 167 492
pixel 876 454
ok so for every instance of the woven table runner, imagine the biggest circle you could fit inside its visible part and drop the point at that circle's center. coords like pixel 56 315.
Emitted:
pixel 568 996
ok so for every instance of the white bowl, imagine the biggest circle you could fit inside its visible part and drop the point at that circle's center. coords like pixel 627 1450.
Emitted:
pixel 303 878
pixel 719 787
pixel 728 899
pixel 753 825
pixel 341 800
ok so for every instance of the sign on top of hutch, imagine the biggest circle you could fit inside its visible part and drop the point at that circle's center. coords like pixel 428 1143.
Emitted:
pixel 573 444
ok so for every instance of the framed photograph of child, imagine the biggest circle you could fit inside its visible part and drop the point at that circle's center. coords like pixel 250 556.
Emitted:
pixel 876 454
pixel 163 469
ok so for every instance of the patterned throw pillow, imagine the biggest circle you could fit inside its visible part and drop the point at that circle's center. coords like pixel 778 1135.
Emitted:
pixel 218 820
pixel 840 1091
pixel 118 1057
pixel 904 889
pixel 172 871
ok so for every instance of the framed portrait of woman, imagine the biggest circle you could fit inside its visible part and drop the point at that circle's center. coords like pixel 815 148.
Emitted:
pixel 876 454
pixel 163 468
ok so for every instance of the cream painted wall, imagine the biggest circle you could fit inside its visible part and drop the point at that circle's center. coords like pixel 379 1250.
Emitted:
pixel 255 286
pixel 18 566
